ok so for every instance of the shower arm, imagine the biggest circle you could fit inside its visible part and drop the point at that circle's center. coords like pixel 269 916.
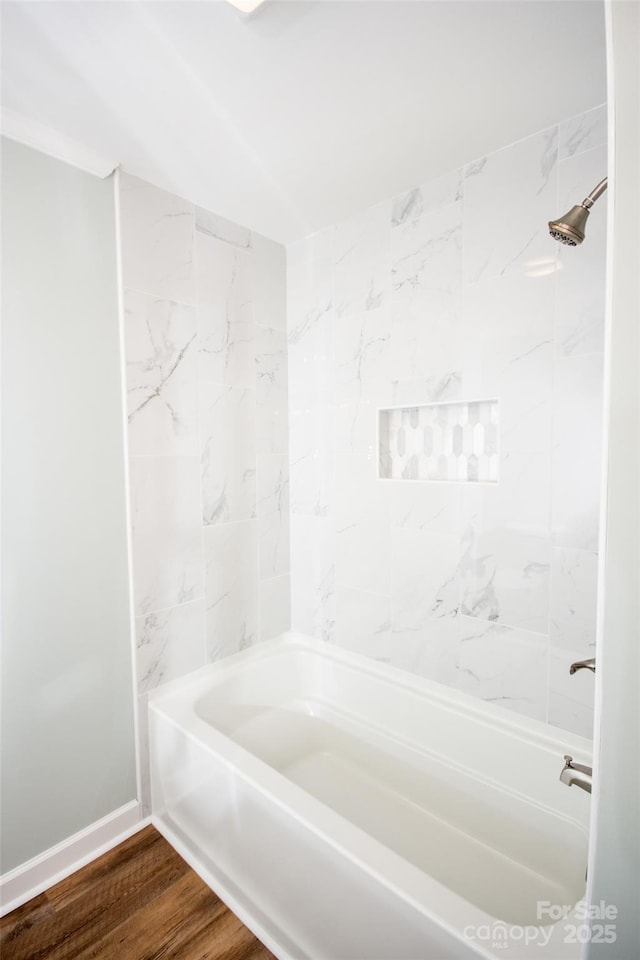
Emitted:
pixel 597 191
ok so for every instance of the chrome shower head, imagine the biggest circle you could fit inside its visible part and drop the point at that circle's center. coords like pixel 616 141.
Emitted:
pixel 570 228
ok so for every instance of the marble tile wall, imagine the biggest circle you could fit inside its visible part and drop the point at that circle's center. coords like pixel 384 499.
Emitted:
pixel 206 361
pixel 455 292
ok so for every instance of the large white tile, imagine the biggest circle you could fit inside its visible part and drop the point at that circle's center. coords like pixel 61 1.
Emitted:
pixel 231 587
pixel 577 451
pixel 269 269
pixel 518 505
pixel 360 506
pixel 363 623
pixel 273 516
pixel 228 438
pixel 309 355
pixel 507 353
pixel 504 666
pixel 426 257
pixel 426 280
pixel 507 199
pixel 361 261
pixel 361 344
pixel 170 643
pixel 581 283
pixel 271 368
pixel 430 388
pixel 309 279
pixel 162 391
pixel 223 229
pixel 425 352
pixel 157 241
pixel 225 312
pixel 272 414
pixel 313 576
pixel 357 491
pixel 574 588
pixel 355 429
pixel 410 207
pixel 505 578
pixel 583 132
pixel 275 607
pixel 166 526
pixel 310 313
pixel 272 430
pixel 431 649
pixel 311 455
pixel 571 696
pixel 363 559
pixel 433 508
pixel 425 581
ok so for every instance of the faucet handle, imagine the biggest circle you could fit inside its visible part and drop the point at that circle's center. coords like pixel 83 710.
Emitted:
pixel 589 664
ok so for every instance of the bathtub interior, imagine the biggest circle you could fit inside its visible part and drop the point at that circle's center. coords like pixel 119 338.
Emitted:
pixel 412 774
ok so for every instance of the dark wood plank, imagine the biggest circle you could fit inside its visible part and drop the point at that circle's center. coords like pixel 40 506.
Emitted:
pixel 170 923
pixel 140 901
pixel 20 920
pixel 115 889
pixel 119 865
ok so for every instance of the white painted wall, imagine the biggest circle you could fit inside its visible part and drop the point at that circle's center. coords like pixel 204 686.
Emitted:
pixel 615 855
pixel 67 695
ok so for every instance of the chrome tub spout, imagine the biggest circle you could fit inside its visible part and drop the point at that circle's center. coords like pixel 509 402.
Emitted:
pixel 576 774
pixel 589 664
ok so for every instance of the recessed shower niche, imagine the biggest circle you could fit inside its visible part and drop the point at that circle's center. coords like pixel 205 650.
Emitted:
pixel 440 441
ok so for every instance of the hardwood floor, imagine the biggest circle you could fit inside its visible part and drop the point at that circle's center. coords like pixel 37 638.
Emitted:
pixel 139 901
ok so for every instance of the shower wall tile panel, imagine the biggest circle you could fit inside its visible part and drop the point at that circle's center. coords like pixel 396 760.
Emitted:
pixel 169 643
pixel 576 451
pixel 216 226
pixel 580 305
pixel 486 587
pixel 231 587
pixel 426 275
pixel 275 606
pixel 206 361
pixel 162 395
pixel 363 623
pixel 157 240
pixel 166 531
pixel 505 666
pixel 313 560
pixel 580 134
pixel 228 452
pixel 226 329
pixel 504 196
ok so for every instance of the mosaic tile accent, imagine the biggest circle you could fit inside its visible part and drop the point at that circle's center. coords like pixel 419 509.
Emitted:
pixel 440 441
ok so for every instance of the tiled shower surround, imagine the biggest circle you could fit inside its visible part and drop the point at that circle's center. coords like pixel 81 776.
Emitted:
pixel 453 292
pixel 206 362
pixel 255 381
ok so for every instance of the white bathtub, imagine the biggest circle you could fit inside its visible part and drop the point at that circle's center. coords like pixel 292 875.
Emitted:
pixel 348 811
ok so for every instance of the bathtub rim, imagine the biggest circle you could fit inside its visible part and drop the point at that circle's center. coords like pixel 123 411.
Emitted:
pixel 537 732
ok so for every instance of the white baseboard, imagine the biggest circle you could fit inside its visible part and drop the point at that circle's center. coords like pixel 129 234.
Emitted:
pixel 41 872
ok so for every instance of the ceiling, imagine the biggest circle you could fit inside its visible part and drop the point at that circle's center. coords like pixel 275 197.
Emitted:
pixel 303 113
